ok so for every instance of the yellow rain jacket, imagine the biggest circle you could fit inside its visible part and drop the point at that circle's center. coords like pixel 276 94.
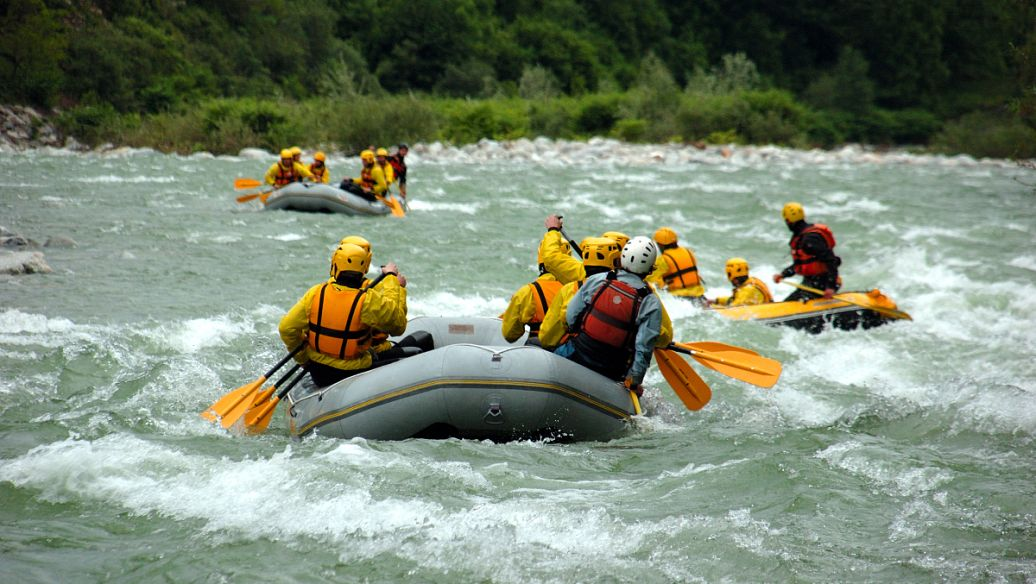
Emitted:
pixel 275 171
pixel 752 291
pixel 377 180
pixel 320 175
pixel 555 327
pixel 388 171
pixel 564 266
pixel 526 307
pixel 384 309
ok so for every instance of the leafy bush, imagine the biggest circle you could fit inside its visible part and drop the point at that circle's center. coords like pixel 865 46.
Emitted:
pixel 538 83
pixel 90 124
pixel 631 130
pixel 598 114
pixel 983 134
pixel 735 73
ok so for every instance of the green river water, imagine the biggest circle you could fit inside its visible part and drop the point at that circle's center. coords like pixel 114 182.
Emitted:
pixel 901 453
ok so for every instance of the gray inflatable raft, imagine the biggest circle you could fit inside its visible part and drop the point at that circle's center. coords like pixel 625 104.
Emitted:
pixel 323 198
pixel 472 385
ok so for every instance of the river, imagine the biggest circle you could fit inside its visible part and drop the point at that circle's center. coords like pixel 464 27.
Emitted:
pixel 900 453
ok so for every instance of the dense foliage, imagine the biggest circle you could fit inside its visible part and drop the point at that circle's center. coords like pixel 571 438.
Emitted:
pixel 877 70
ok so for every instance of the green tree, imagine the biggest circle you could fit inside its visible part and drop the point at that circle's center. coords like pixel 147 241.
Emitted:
pixel 32 46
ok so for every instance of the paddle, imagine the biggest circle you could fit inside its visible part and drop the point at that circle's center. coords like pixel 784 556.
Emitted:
pixel 261 196
pixel 222 407
pixel 688 386
pixel 571 243
pixel 392 204
pixel 889 312
pixel 257 419
pixel 733 362
pixel 246 405
pixel 260 410
pixel 246 183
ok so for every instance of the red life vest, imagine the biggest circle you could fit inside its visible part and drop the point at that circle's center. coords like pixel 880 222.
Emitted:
pixel 546 290
pixel 318 173
pixel 611 318
pixel 335 327
pixel 285 175
pixel 683 269
pixel 804 263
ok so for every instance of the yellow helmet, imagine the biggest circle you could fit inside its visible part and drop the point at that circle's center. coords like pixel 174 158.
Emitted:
pixel 349 258
pixel 665 236
pixel 319 156
pixel 620 238
pixel 296 151
pixel 737 268
pixel 382 152
pixel 366 155
pixel 356 240
pixel 600 251
pixel 286 153
pixel 793 213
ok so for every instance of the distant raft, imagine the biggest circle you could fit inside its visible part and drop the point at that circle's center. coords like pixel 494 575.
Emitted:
pixel 473 384
pixel 323 198
pixel 846 311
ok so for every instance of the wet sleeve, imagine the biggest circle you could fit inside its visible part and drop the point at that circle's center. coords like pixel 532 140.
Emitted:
pixel 379 180
pixel 553 326
pixel 564 267
pixel 648 337
pixel 302 170
pixel 384 308
pixel 295 324
pixel 519 312
pixel 271 174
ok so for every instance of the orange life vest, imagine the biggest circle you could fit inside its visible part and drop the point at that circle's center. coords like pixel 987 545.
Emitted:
pixel 335 328
pixel 366 178
pixel 683 269
pixel 546 290
pixel 285 175
pixel 608 327
pixel 804 263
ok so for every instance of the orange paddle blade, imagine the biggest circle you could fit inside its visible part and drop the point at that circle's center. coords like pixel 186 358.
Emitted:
pixel 258 418
pixel 229 402
pixel 745 366
pixel 392 204
pixel 686 383
pixel 246 183
pixel 261 196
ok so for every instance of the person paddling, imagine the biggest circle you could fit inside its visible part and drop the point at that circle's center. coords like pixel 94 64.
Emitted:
pixel 286 171
pixel 371 182
pixel 617 319
pixel 812 253
pixel 337 319
pixel 398 162
pixel 680 276
pixel 746 289
pixel 318 168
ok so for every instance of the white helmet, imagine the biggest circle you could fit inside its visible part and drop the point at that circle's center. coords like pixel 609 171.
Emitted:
pixel 638 255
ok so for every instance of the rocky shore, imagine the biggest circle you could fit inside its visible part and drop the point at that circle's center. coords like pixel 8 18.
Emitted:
pixel 23 127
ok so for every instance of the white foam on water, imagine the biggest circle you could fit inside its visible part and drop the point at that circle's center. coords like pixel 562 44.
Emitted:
pixel 424 204
pixel 197 334
pixel 893 475
pixel 287 237
pixel 113 179
pixel 16 322
pixel 449 304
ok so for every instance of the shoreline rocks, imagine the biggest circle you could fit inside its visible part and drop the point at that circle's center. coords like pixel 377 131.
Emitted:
pixel 23 127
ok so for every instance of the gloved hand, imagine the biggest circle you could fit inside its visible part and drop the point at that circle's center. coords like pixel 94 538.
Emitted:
pixel 777 278
pixel 635 388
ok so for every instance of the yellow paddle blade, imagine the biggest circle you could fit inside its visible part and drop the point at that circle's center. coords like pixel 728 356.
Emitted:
pixel 261 196
pixel 224 405
pixel 392 204
pixel 246 183
pixel 264 196
pixel 716 346
pixel 258 419
pixel 688 386
pixel 745 366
